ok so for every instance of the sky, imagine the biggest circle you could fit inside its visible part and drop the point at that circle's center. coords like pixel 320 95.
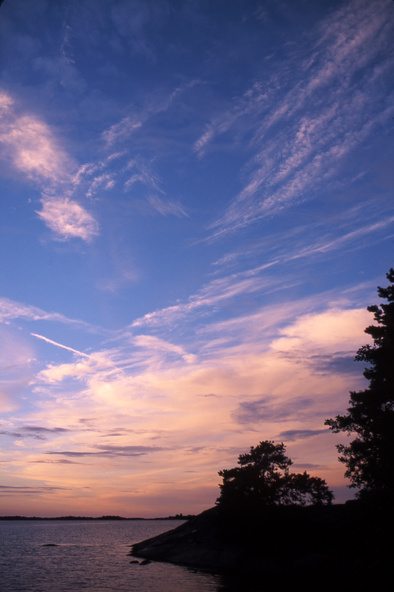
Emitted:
pixel 196 210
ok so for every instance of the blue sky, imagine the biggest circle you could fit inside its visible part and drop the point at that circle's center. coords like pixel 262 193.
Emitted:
pixel 196 209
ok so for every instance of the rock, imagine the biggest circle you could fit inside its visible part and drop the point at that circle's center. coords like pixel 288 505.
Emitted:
pixel 325 541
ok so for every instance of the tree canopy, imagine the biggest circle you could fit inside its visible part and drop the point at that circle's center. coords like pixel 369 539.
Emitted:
pixel 369 458
pixel 263 479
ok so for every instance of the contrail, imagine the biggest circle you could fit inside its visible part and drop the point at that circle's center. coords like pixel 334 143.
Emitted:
pixel 75 351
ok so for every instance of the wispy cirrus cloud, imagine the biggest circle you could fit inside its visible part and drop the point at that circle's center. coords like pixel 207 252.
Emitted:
pixel 253 102
pixel 10 309
pixel 141 173
pixel 166 207
pixel 215 292
pixel 318 239
pixel 121 130
pixel 152 343
pixel 303 134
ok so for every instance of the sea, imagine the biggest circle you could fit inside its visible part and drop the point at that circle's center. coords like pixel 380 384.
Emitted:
pixel 92 555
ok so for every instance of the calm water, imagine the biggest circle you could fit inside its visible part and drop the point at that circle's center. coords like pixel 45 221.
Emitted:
pixel 90 555
pixel 94 556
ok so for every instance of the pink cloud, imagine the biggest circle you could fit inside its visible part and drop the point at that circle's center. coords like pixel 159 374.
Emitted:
pixel 67 219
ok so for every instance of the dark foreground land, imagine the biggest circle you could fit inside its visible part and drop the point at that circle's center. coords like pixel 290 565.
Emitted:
pixel 349 543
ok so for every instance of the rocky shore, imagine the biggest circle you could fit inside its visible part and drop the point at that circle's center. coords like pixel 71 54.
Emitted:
pixel 336 541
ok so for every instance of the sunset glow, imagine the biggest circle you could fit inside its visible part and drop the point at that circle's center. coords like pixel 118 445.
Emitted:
pixel 196 210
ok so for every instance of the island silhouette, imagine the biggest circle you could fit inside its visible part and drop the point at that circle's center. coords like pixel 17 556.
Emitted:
pixel 271 523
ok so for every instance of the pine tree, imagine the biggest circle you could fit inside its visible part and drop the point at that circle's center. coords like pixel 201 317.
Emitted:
pixel 369 458
pixel 263 479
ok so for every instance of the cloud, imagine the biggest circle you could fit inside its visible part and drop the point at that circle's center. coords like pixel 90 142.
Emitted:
pixel 56 373
pixel 166 207
pixel 269 409
pixel 111 451
pixel 43 430
pixel 336 327
pixel 171 410
pixel 35 432
pixel 215 292
pixel 291 435
pixel 337 364
pixel 5 102
pixel 300 143
pixel 7 490
pixel 300 242
pixel 121 131
pixel 32 149
pixel 251 103
pixel 10 309
pixel 352 237
pixel 61 461
pixel 31 146
pixel 67 219
pixel 17 368
pixel 149 342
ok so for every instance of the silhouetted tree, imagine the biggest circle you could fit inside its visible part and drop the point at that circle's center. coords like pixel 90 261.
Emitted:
pixel 369 458
pixel 263 479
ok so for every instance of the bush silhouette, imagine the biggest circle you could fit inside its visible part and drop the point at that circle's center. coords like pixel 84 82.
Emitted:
pixel 263 479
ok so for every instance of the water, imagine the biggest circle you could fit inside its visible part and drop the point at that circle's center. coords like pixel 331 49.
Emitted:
pixel 89 556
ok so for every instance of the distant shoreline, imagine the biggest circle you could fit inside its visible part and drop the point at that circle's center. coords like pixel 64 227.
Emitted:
pixel 177 517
